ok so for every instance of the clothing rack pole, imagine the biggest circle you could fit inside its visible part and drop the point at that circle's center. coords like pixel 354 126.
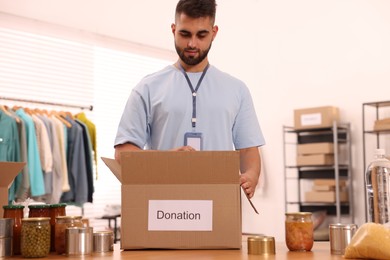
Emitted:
pixel 47 103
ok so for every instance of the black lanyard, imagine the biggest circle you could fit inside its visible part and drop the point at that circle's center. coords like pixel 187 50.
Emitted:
pixel 193 91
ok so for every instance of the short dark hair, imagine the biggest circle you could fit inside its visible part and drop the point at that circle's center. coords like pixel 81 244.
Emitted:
pixel 197 8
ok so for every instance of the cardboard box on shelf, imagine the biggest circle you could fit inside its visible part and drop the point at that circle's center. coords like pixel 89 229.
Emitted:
pixel 328 182
pixel 382 124
pixel 8 172
pixel 179 200
pixel 315 148
pixel 315 160
pixel 325 196
pixel 316 117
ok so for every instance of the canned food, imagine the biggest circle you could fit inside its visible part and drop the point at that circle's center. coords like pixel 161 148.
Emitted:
pixel 103 241
pixel 35 237
pixel 62 223
pixel 299 231
pixel 78 241
pixel 340 236
pixel 261 245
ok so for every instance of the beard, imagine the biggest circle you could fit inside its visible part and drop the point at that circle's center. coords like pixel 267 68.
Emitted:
pixel 190 60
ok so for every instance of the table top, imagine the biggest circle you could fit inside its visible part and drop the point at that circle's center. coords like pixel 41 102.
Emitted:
pixel 321 250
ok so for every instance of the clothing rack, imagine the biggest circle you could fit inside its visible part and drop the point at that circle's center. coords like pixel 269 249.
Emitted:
pixel 48 103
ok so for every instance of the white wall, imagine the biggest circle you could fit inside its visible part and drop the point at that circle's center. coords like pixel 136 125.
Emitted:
pixel 292 54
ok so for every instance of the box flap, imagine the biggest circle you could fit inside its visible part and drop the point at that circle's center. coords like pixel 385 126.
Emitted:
pixel 170 167
pixel 8 172
pixel 114 166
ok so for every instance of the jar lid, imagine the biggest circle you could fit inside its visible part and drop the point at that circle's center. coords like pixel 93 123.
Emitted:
pixel 58 205
pixel 299 214
pixel 69 217
pixel 343 226
pixel 13 207
pixel 35 219
pixel 38 206
pixel 103 233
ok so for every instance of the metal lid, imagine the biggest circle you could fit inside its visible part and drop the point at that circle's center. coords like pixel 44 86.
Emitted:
pixel 103 233
pixel 34 219
pixel 342 226
pixel 299 214
pixel 69 217
pixel 261 245
pixel 13 207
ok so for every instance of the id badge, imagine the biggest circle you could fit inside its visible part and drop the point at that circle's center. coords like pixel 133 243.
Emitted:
pixel 194 139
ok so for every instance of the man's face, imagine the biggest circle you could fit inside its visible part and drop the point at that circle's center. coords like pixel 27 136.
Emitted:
pixel 193 38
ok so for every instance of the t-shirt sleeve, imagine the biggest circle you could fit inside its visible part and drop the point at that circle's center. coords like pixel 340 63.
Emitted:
pixel 133 125
pixel 246 130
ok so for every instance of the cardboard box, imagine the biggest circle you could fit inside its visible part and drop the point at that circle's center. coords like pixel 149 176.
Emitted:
pixel 382 124
pixel 179 200
pixel 8 172
pixel 315 160
pixel 328 182
pixel 325 196
pixel 315 148
pixel 316 117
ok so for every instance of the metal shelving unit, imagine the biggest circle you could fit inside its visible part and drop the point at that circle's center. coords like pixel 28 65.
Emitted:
pixel 338 134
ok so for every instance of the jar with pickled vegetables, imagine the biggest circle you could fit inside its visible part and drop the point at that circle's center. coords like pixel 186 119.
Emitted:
pixel 299 231
pixel 35 237
pixel 62 223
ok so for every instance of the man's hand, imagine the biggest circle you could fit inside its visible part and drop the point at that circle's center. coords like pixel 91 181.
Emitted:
pixel 250 169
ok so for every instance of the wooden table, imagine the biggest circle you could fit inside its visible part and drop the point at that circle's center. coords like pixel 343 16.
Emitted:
pixel 320 251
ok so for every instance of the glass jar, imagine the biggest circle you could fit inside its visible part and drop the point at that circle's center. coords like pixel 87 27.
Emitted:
pixel 56 210
pixel 39 211
pixel 299 231
pixel 16 213
pixel 63 222
pixel 35 237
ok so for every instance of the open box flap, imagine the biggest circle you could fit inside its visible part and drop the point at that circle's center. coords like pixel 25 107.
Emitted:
pixel 8 172
pixel 114 166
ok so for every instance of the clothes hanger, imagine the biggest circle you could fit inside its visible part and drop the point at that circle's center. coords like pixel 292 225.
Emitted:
pixel 57 115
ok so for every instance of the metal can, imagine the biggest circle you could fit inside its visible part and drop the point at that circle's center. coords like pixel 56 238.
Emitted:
pixel 78 241
pixel 62 223
pixel 340 236
pixel 35 237
pixel 299 231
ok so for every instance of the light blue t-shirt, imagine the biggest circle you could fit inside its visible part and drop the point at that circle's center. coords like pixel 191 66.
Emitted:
pixel 159 111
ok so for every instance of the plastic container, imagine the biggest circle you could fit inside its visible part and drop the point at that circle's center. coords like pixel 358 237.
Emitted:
pixel 299 231
pixel 62 223
pixel 377 188
pixel 56 210
pixel 35 237
pixel 15 212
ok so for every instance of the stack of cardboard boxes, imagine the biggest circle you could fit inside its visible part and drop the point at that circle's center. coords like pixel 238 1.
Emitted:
pixel 319 153
pixel 324 190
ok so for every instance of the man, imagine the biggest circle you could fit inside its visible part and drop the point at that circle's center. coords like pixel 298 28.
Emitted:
pixel 193 99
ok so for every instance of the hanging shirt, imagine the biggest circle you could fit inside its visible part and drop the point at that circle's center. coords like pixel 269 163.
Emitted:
pixel 33 160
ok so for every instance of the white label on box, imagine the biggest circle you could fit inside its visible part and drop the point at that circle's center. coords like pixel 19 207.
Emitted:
pixel 311 119
pixel 180 215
